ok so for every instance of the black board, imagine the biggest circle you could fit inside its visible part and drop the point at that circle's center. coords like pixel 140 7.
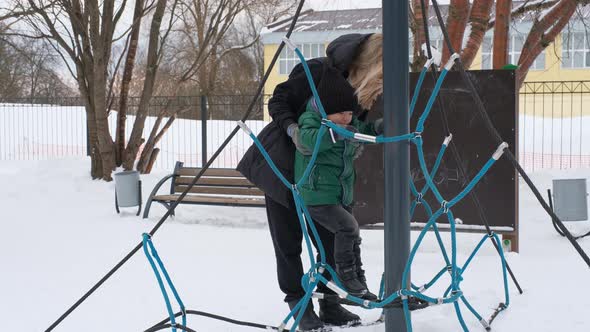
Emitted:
pixel 497 191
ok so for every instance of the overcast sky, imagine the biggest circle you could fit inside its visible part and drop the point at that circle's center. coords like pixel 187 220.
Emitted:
pixel 349 4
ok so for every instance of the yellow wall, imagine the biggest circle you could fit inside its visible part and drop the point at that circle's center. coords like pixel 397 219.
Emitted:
pixel 274 79
pixel 552 72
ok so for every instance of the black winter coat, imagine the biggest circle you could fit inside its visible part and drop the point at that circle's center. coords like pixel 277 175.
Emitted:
pixel 286 105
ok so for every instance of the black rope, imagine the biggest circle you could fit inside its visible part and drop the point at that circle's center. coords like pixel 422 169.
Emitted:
pixel 165 323
pixel 501 307
pixel 492 130
pixel 190 186
pixel 168 325
pixel 455 151
pixel 414 303
pixel 555 224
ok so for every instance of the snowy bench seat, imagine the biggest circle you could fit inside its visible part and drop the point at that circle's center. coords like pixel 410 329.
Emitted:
pixel 217 186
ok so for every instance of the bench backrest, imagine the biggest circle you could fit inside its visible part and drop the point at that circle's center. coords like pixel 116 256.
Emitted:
pixel 221 181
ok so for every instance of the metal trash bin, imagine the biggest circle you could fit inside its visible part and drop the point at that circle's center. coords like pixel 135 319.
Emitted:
pixel 127 190
pixel 570 199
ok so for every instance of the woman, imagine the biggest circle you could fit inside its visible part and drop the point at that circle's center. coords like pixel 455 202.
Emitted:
pixel 358 57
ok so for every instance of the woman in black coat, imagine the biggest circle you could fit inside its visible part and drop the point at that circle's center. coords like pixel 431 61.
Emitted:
pixel 359 58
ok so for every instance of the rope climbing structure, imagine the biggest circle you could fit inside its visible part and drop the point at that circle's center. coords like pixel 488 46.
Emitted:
pixel 410 298
pixel 315 274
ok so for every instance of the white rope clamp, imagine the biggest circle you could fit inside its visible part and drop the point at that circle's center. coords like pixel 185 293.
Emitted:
pixel 485 324
pixel 419 198
pixel 244 127
pixel 341 292
pixel 365 138
pixel 451 61
pixel 428 63
pixel 445 206
pixel 500 151
pixel 448 140
pixel 289 43
pixel 320 296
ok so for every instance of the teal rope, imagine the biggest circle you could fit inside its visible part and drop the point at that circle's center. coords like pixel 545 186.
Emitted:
pixel 168 280
pixel 160 282
pixel 428 108
pixel 417 89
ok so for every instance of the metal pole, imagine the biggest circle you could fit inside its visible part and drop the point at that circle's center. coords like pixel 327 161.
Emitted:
pixel 396 155
pixel 204 115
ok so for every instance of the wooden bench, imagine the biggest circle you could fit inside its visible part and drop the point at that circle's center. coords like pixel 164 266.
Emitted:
pixel 217 186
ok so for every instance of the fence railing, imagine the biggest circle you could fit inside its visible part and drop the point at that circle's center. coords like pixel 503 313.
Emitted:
pixel 554 120
pixel 55 128
pixel 553 127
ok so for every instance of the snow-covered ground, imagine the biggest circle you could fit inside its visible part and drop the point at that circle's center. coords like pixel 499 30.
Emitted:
pixel 60 234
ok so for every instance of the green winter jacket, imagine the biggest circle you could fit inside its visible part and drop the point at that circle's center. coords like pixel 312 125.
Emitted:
pixel 331 181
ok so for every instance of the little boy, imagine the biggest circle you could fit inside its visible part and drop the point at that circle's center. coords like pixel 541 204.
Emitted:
pixel 328 192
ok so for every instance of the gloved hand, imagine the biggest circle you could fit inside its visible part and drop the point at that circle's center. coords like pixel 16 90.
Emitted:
pixel 293 132
pixel 378 126
pixel 341 137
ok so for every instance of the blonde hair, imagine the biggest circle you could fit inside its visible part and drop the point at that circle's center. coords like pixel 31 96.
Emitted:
pixel 366 72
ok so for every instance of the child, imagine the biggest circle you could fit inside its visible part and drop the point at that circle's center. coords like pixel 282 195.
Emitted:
pixel 327 192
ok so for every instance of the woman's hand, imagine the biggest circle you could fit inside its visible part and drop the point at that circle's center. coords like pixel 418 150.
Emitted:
pixel 293 132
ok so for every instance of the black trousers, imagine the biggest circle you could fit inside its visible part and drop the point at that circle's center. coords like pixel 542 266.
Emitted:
pixel 340 221
pixel 287 238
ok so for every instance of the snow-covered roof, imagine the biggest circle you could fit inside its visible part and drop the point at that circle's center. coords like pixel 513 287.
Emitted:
pixel 330 20
pixel 371 19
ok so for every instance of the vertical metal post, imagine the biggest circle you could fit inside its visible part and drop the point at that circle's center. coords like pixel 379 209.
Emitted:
pixel 396 155
pixel 204 115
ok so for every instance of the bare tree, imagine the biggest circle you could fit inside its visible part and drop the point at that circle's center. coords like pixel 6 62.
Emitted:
pixel 549 17
pixel 83 34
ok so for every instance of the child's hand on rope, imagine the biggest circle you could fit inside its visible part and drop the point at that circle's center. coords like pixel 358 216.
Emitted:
pixel 378 126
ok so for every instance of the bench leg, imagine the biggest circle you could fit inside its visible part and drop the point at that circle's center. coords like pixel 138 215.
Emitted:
pixel 146 211
pixel 167 206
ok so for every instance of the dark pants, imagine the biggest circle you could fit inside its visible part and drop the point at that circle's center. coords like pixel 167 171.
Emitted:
pixel 287 238
pixel 340 221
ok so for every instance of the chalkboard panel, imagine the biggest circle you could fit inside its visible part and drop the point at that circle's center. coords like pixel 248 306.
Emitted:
pixel 497 191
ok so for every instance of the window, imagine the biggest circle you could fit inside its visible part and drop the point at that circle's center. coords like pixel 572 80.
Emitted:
pixel 288 59
pixel 575 50
pixel 514 51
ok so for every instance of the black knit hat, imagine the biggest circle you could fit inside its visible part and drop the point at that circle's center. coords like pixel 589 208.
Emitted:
pixel 336 94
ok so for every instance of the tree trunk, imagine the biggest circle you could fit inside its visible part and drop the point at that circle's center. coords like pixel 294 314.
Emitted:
pixel 153 158
pixel 148 87
pixel 501 33
pixel 420 33
pixel 479 19
pixel 127 75
pixel 456 23
pixel 105 141
pixel 96 168
pixel 147 155
pixel 539 38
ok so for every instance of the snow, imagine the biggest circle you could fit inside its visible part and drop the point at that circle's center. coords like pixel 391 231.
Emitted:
pixel 61 234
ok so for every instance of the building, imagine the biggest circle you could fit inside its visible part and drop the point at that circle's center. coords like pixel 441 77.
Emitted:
pixel 568 59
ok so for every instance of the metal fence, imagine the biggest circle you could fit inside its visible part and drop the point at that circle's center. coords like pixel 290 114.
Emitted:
pixel 55 128
pixel 553 127
pixel 554 119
